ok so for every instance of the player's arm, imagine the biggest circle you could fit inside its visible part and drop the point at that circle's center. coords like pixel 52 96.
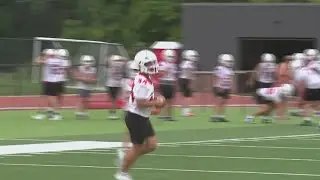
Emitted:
pixel 40 59
pixel 142 95
pixel 254 74
pixel 162 70
pixel 301 84
pixel 281 73
pixel 76 74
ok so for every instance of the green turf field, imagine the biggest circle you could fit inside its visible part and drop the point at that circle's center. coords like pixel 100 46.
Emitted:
pixel 190 148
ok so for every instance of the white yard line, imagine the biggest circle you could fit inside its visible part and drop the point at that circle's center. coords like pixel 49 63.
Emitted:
pixel 243 139
pixel 18 155
pixel 165 169
pixel 201 156
pixel 175 144
pixel 248 146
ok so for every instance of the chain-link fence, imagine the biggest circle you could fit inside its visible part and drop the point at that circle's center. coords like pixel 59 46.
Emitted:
pixel 18 81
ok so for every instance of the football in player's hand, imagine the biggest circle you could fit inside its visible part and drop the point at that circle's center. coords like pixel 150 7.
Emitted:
pixel 155 111
pixel 161 100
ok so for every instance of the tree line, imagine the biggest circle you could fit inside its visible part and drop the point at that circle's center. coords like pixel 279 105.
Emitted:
pixel 130 22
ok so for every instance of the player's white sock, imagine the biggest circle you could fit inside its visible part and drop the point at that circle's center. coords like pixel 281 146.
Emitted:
pixel 307 119
pixel 249 119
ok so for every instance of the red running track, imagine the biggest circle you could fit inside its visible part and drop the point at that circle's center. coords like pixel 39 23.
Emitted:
pixel 30 102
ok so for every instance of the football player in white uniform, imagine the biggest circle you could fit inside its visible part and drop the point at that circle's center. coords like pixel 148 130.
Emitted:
pixel 297 63
pixel 264 73
pixel 86 76
pixel 187 74
pixel 223 76
pixel 271 98
pixel 309 88
pixel 139 109
pixel 40 60
pixel 168 70
pixel 116 70
pixel 55 68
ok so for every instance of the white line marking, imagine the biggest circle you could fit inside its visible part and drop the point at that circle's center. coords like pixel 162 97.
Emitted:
pixel 45 153
pixel 40 140
pixel 166 169
pixel 202 156
pixel 244 139
pixel 17 155
pixel 261 147
pixel 174 144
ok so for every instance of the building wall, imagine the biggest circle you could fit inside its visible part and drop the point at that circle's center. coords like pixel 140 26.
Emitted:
pixel 213 29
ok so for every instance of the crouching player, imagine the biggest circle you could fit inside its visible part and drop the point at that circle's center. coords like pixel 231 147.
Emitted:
pixel 270 99
pixel 85 74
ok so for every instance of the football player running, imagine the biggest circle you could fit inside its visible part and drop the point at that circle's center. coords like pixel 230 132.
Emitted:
pixel 140 105
pixel 85 74
pixel 297 63
pixel 309 85
pixel 223 76
pixel 187 74
pixel 270 99
pixel 168 70
pixel 264 74
pixel 116 70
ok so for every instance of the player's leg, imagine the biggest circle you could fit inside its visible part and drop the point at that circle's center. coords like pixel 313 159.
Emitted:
pixel 263 108
pixel 188 98
pixel 169 101
pixel 82 107
pixel 113 92
pixel 219 110
pixel 299 106
pixel 163 91
pixel 225 97
pixel 310 97
pixel 167 92
pixel 143 139
pixel 54 98
pixel 41 114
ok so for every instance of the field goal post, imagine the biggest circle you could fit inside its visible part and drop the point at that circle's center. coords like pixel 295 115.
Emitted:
pixel 100 50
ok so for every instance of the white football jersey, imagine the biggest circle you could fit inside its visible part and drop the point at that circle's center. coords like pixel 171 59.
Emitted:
pixel 170 68
pixel 267 72
pixel 54 70
pixel 187 70
pixel 224 77
pixel 311 77
pixel 115 73
pixel 272 94
pixel 142 88
pixel 86 71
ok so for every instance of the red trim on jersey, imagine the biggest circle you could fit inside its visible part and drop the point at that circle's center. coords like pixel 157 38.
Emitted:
pixel 147 77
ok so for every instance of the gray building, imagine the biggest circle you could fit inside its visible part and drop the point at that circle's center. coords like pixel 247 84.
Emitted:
pixel 248 30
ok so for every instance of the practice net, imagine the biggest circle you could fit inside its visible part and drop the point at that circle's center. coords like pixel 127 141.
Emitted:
pixel 77 48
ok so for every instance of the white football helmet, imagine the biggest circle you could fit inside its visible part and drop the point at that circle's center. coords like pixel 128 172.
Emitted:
pixel 226 60
pixel 62 53
pixel 190 55
pixel 169 55
pixel 116 58
pixel 268 58
pixel 87 60
pixel 49 52
pixel 287 89
pixel 147 62
pixel 298 60
pixel 311 54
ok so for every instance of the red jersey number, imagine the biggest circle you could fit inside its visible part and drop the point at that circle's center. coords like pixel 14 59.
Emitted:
pixel 270 90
